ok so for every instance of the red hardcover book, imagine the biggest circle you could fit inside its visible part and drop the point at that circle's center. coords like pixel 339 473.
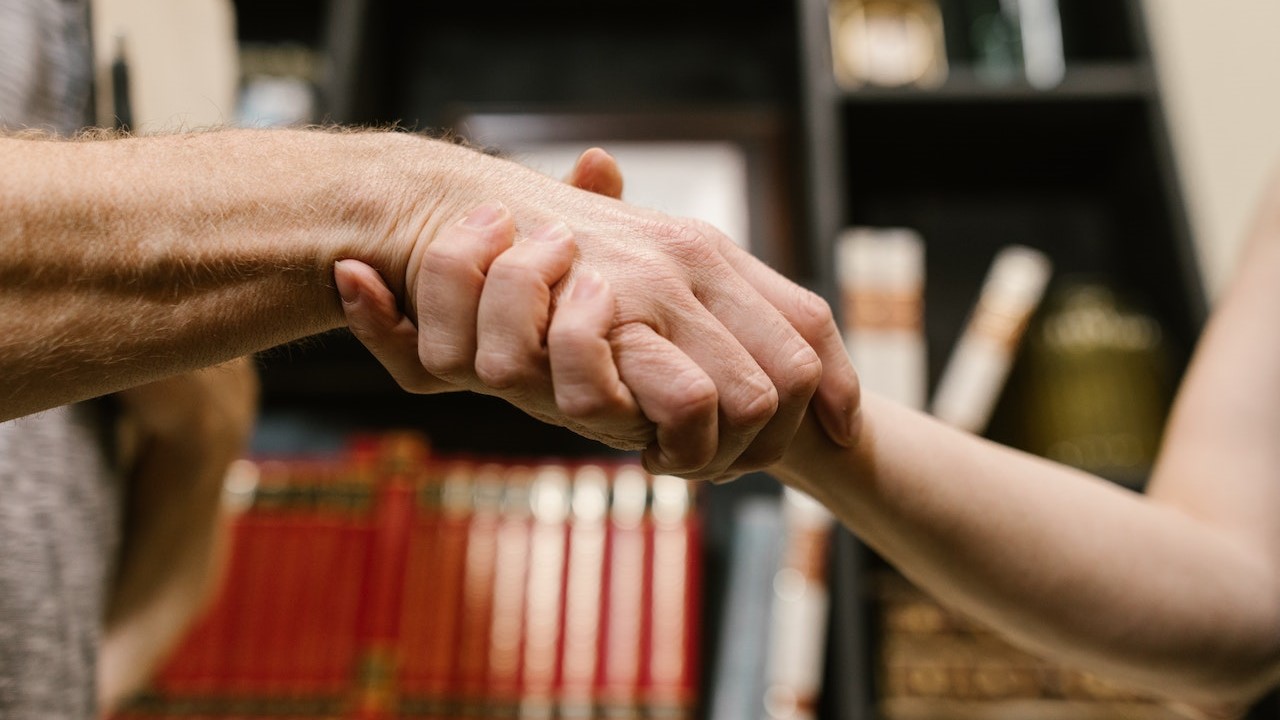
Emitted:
pixel 670 677
pixel 511 565
pixel 316 549
pixel 281 576
pixel 472 668
pixel 280 637
pixel 549 500
pixel 355 531
pixel 325 594
pixel 584 591
pixel 626 622
pixel 433 591
pixel 402 462
pixel 247 661
pixel 191 670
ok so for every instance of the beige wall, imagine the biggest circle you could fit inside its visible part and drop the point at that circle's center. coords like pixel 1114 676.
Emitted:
pixel 182 61
pixel 1219 65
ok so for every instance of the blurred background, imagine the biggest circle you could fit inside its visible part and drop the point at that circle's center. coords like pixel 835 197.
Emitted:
pixel 1021 210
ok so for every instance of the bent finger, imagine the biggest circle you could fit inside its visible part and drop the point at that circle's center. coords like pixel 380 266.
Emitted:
pixel 376 321
pixel 450 284
pixel 514 313
pixel 790 365
pixel 588 387
pixel 676 394
pixel 838 395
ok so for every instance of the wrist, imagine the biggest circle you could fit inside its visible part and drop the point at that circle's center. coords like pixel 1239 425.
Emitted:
pixel 420 186
pixel 817 466
pixel 435 184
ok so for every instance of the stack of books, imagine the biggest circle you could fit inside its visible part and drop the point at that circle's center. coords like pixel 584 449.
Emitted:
pixel 387 583
pixel 935 663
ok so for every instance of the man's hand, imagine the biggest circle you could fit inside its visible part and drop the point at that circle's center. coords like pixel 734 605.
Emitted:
pixel 716 349
pixel 178 437
pixel 581 364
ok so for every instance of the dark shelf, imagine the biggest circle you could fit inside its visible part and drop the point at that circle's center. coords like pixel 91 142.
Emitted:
pixel 1093 81
pixel 1082 171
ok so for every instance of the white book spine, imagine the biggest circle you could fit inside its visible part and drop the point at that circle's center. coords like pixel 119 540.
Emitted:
pixel 549 501
pixel 589 504
pixel 800 604
pixel 881 272
pixel 976 372
pixel 1043 58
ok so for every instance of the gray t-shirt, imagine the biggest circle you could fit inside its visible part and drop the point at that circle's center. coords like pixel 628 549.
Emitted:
pixel 59 498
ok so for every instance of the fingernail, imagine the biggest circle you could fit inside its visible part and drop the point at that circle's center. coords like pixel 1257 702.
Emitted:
pixel 587 287
pixel 484 215
pixel 553 232
pixel 348 290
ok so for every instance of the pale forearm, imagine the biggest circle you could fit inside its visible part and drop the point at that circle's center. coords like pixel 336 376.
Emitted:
pixel 127 260
pixel 1221 456
pixel 1064 563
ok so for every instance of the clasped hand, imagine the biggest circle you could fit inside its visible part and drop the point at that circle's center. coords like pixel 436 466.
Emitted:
pixel 661 335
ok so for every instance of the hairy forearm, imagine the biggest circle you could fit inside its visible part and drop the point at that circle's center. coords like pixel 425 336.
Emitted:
pixel 126 260
pixel 1064 563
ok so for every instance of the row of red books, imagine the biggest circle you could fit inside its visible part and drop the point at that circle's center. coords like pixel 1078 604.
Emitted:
pixel 386 583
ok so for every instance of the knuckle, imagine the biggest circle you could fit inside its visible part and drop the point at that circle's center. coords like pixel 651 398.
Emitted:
pixel 589 405
pixel 692 397
pixel 580 406
pixel 447 257
pixel 690 244
pixel 756 406
pixel 571 334
pixel 446 363
pixel 513 267
pixel 812 313
pixel 500 371
pixel 802 376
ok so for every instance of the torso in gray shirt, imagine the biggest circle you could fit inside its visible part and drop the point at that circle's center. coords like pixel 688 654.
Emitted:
pixel 59 500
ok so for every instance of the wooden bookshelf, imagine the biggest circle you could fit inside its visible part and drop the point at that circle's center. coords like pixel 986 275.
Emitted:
pixel 1083 171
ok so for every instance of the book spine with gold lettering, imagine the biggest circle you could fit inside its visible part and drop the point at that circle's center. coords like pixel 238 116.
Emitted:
pixel 432 585
pixel 402 462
